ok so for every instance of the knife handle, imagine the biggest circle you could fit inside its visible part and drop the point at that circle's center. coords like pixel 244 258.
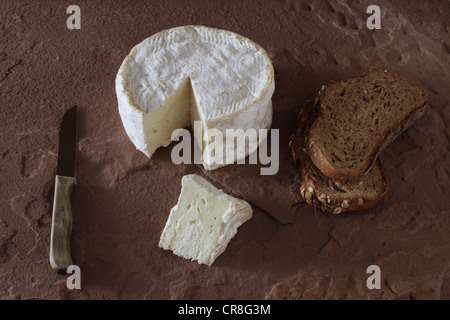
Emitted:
pixel 60 257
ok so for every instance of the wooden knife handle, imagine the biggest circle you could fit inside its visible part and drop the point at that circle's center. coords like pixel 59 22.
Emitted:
pixel 60 257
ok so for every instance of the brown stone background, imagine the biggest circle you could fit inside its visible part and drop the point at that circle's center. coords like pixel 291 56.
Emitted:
pixel 121 203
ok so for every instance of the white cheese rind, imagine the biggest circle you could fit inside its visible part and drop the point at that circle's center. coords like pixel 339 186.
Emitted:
pixel 231 78
pixel 203 222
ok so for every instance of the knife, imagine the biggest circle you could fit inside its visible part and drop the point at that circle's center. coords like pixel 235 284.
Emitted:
pixel 65 181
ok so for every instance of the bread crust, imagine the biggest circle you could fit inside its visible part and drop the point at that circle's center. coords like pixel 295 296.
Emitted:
pixel 327 167
pixel 315 197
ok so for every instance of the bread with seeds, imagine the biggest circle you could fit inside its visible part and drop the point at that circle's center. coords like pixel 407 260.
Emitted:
pixel 329 194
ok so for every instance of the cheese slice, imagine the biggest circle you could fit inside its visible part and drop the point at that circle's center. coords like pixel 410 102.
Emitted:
pixel 203 222
pixel 194 73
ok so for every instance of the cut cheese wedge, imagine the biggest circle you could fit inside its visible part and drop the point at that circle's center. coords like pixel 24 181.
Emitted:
pixel 203 222
pixel 194 73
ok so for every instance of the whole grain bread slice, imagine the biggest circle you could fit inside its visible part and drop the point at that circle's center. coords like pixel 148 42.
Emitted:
pixel 329 194
pixel 357 118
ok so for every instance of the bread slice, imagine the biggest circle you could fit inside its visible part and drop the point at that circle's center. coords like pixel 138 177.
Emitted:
pixel 357 118
pixel 329 194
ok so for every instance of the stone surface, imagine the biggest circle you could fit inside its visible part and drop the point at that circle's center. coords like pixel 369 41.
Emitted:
pixel 122 200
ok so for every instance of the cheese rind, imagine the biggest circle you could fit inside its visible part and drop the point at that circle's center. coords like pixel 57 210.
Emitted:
pixel 193 73
pixel 203 222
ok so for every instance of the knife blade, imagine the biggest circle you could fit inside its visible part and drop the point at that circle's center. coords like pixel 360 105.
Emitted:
pixel 65 181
